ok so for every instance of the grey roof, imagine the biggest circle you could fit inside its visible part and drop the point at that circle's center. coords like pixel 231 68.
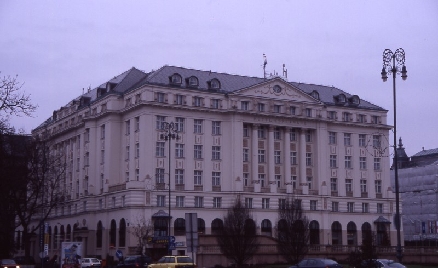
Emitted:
pixel 426 152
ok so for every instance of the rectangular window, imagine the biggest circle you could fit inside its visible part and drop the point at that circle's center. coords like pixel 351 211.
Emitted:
pixel 281 203
pixel 197 101
pixel 375 119
pixel 334 184
pixel 313 204
pixel 261 107
pixel 102 132
pixel 160 120
pixel 215 103
pixel 277 108
pixel 363 186
pixel 197 126
pixel 377 141
pixel 216 178
pixel 363 162
pixel 331 115
pixel 277 157
pixel 362 140
pixel 245 130
pixel 198 177
pixel 127 127
pixel 347 139
pixel 216 152
pixel 377 163
pixel 87 135
pixel 332 137
pixel 308 112
pixel 248 202
pixel 265 203
pixel 179 150
pixel 102 156
pixel 179 124
pixel 160 97
pixel 159 175
pixel 199 201
pixel 244 105
pixel 335 206
pixel 127 176
pixel 380 208
pixel 308 159
pixel 346 117
pixel 293 158
pixel 137 124
pixel 348 185
pixel 293 110
pixel 348 163
pixel 179 99
pixel 137 174
pixel 161 200
pixel 180 201
pixel 217 202
pixel 198 151
pixel 378 186
pixel 294 181
pixel 179 176
pixel 365 208
pixel 261 132
pixel 308 136
pixel 245 179
pixel 309 182
pixel 350 207
pixel 278 180
pixel 333 161
pixel 293 134
pixel 137 150
pixel 245 155
pixel 361 118
pixel 261 178
pixel 127 153
pixel 277 133
pixel 261 156
pixel 216 128
pixel 159 149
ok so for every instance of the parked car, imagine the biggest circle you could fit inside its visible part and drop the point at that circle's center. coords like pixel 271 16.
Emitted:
pixel 135 262
pixel 24 260
pixel 174 262
pixel 90 262
pixel 381 263
pixel 8 263
pixel 317 263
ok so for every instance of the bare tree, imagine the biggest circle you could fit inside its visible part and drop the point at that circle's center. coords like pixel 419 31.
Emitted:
pixel 38 192
pixel 292 231
pixel 237 239
pixel 141 229
pixel 13 100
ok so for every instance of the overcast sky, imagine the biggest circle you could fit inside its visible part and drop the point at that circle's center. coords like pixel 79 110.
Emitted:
pixel 57 48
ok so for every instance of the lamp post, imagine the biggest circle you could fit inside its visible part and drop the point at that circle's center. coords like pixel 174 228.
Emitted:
pixel 395 63
pixel 170 132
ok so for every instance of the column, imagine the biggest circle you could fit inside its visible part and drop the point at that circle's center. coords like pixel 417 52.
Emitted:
pixel 270 160
pixel 302 162
pixel 254 158
pixel 286 161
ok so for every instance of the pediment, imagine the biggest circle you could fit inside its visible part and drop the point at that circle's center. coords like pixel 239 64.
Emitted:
pixel 277 89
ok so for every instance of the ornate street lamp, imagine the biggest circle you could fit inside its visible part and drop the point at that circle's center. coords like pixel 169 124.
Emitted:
pixel 395 63
pixel 170 132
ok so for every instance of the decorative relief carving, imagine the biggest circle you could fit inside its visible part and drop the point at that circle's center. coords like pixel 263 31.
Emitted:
pixel 269 89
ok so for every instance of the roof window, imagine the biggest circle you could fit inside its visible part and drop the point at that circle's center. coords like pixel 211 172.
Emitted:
pixel 355 100
pixel 175 79
pixel 192 81
pixel 214 84
pixel 340 99
pixel 315 94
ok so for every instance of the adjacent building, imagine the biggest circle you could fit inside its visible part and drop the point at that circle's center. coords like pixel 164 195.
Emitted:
pixel 262 140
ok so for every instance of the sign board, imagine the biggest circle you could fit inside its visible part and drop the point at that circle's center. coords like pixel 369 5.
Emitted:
pixel 71 254
pixel 119 254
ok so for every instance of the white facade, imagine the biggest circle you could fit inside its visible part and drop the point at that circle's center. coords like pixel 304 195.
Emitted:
pixel 262 140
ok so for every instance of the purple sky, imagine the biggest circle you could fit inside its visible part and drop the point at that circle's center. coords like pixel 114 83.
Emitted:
pixel 57 48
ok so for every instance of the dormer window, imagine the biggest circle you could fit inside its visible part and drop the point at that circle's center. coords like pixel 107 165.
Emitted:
pixel 101 92
pixel 341 99
pixel 214 84
pixel 193 81
pixel 84 101
pixel 354 100
pixel 315 94
pixel 175 79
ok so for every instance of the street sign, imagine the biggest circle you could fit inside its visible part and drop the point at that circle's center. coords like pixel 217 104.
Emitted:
pixel 119 254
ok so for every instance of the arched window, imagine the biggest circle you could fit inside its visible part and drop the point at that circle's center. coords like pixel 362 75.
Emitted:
pixel 69 237
pixel 366 233
pixel 216 226
pixel 113 233
pixel 175 79
pixel 179 226
pixel 201 226
pixel 282 229
pixel 382 235
pixel 62 234
pixel 99 232
pixel 250 227
pixel 336 233
pixel 314 233
pixel 266 227
pixel 193 81
pixel 122 233
pixel 351 234
pixel 160 226
pixel 214 84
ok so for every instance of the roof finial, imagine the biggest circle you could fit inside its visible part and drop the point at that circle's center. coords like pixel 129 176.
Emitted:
pixel 265 62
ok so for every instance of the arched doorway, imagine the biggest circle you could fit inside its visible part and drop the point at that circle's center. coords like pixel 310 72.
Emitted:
pixel 266 227
pixel 336 233
pixel 216 226
pixel 314 233
pixel 122 233
pixel 351 234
